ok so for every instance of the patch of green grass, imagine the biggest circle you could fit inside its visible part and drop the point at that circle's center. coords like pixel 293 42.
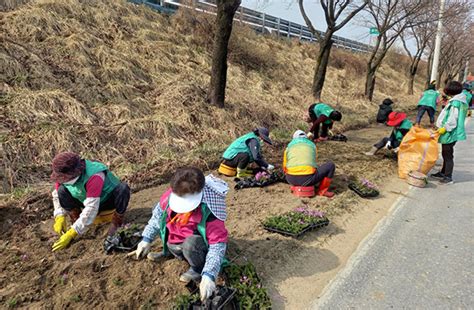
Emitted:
pixel 12 302
pixel 118 282
pixel 76 298
pixel 20 192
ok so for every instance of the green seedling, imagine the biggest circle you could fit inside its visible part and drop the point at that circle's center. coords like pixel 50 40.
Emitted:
pixel 118 282
pixel 76 298
pixel 295 221
pixel 12 302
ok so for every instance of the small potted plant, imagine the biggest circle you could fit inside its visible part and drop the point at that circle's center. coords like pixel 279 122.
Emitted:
pixel 364 188
pixel 296 222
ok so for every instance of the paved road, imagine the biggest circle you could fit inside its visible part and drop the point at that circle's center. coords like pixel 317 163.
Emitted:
pixel 422 255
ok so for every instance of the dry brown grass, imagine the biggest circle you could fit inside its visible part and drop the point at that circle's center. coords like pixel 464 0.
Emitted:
pixel 126 85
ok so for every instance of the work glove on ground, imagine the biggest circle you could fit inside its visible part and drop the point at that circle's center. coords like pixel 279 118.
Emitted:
pixel 270 167
pixel 442 130
pixel 143 248
pixel 64 240
pixel 60 225
pixel 207 287
pixel 310 135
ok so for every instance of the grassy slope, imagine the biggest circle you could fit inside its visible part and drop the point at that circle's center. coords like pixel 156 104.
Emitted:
pixel 125 85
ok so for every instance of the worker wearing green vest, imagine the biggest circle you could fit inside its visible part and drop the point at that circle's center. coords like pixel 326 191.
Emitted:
pixel 243 151
pixel 467 91
pixel 427 103
pixel 83 189
pixel 451 129
pixel 300 167
pixel 324 116
pixel 401 125
pixel 189 220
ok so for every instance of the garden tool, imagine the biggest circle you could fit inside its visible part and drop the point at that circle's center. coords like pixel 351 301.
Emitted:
pixel 64 240
pixel 244 173
pixel 324 188
pixel 60 225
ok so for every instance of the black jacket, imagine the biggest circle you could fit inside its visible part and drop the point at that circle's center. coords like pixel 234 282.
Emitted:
pixel 384 111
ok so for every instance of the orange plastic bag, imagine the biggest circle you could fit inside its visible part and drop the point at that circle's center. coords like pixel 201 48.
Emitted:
pixel 418 151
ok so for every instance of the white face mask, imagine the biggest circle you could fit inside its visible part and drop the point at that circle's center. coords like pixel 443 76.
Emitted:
pixel 70 182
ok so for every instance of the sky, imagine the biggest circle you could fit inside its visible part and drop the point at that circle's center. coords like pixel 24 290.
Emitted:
pixel 289 10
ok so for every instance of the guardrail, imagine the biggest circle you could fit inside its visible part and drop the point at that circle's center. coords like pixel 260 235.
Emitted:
pixel 261 22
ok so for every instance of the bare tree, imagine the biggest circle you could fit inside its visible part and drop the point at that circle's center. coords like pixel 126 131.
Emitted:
pixel 422 35
pixel 391 17
pixel 333 10
pixel 225 14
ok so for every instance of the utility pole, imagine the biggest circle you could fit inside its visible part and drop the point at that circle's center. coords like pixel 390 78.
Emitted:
pixel 437 51
pixel 466 70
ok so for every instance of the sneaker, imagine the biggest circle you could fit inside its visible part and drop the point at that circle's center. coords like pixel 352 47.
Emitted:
pixel 189 276
pixel 438 175
pixel 446 180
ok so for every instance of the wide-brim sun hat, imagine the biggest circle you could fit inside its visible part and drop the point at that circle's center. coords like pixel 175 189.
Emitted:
pixel 299 134
pixel 66 166
pixel 396 118
pixel 264 133
pixel 186 203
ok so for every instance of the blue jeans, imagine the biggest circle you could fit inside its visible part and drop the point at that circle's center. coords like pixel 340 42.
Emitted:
pixel 421 111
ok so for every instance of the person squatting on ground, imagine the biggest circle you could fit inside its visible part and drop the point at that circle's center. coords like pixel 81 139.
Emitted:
pixel 427 103
pixel 300 167
pixel 384 110
pixel 324 116
pixel 84 188
pixel 243 151
pixel 189 219
pixel 401 126
pixel 451 129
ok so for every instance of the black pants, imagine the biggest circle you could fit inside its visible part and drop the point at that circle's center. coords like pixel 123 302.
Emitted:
pixel 421 111
pixel 193 250
pixel 447 150
pixel 393 142
pixel 325 170
pixel 324 130
pixel 117 201
pixel 241 161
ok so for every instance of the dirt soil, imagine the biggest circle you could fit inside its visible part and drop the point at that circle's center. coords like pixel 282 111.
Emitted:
pixel 84 276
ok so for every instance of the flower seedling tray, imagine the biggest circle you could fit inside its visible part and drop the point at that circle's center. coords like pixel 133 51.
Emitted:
pixel 368 193
pixel 296 235
pixel 295 223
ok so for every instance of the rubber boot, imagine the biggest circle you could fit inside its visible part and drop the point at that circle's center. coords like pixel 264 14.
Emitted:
pixel 117 221
pixel 244 173
pixel 324 188
pixel 372 151
pixel 74 215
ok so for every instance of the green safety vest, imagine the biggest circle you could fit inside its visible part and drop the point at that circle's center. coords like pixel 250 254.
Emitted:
pixel 301 157
pixel 323 109
pixel 240 146
pixel 429 98
pixel 201 228
pixel 78 189
pixel 468 96
pixel 406 124
pixel 458 133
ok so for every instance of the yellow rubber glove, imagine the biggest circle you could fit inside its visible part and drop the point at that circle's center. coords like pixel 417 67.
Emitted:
pixel 64 240
pixel 442 130
pixel 60 225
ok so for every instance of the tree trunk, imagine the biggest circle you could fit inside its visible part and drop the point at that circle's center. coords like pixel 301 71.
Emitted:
pixel 225 14
pixel 370 82
pixel 321 66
